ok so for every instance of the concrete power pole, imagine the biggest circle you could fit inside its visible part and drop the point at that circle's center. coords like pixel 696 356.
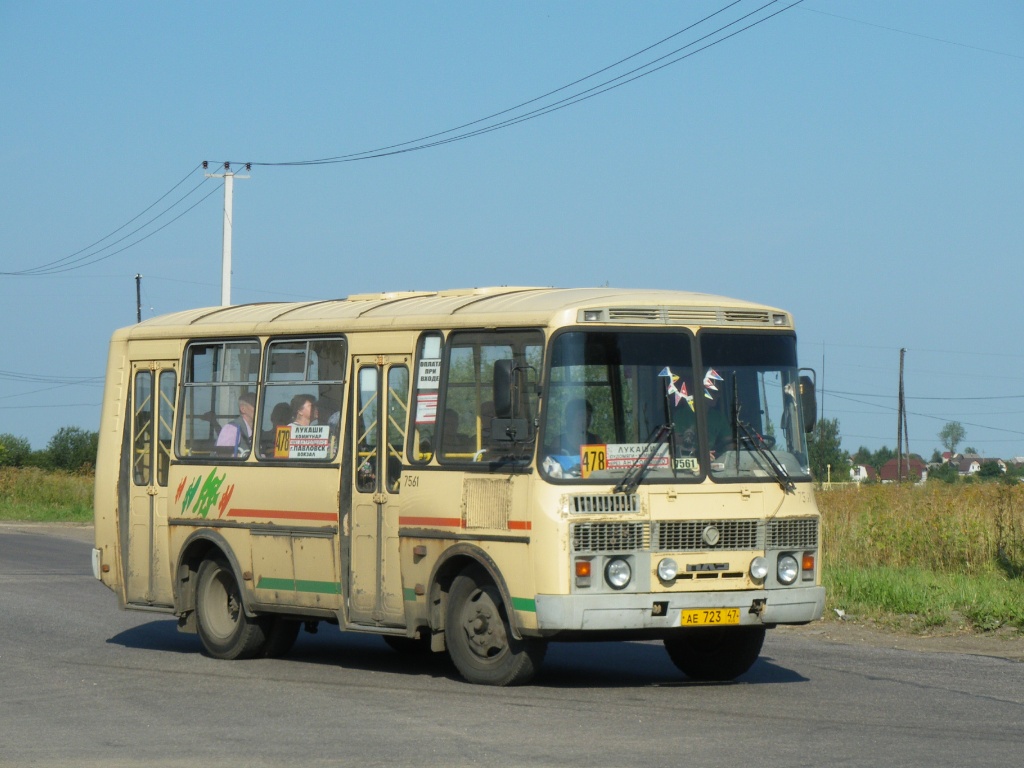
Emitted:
pixel 901 427
pixel 229 190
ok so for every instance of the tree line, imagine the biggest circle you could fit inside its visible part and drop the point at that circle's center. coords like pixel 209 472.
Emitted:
pixel 71 448
pixel 825 450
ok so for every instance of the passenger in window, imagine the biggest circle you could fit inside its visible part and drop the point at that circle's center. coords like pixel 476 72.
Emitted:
pixel 237 434
pixel 281 415
pixel 576 428
pixel 303 410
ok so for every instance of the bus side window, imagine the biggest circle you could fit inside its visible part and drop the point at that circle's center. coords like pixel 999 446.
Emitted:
pixel 398 418
pixel 216 375
pixel 142 430
pixel 428 386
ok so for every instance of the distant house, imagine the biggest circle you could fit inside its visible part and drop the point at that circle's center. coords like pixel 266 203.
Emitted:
pixel 860 473
pixel 916 472
pixel 970 464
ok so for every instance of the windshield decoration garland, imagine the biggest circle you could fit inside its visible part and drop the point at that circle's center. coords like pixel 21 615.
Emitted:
pixel 678 390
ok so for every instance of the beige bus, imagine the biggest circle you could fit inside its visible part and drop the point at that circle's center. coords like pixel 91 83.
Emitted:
pixel 474 471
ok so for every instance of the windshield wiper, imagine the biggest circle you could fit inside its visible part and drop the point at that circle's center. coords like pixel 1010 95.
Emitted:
pixel 635 474
pixel 758 442
pixel 777 467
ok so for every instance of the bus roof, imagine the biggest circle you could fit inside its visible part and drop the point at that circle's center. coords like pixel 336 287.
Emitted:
pixel 471 307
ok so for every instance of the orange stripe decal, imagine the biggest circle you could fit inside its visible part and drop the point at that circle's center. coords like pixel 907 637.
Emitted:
pixel 519 525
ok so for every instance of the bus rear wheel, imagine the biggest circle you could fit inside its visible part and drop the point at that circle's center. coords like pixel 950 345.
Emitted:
pixel 224 629
pixel 715 654
pixel 478 636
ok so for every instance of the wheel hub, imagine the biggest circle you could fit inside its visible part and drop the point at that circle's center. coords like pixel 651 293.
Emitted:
pixel 483 626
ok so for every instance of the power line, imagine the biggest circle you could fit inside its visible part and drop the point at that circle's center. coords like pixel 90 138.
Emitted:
pixel 70 256
pixel 355 155
pixel 913 34
pixel 80 261
pixel 952 399
pixel 588 93
pixel 86 256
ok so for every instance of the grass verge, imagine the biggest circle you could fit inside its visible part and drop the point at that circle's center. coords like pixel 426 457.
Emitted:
pixel 927 558
pixel 29 494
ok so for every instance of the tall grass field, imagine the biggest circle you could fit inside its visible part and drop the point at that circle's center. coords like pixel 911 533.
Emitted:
pixel 35 495
pixel 919 558
pixel 924 557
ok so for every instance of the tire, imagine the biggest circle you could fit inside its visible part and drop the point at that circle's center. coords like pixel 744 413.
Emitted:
pixel 281 637
pixel 224 629
pixel 715 654
pixel 478 637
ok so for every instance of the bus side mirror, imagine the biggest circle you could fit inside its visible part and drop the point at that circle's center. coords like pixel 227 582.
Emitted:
pixel 501 392
pixel 808 400
pixel 508 424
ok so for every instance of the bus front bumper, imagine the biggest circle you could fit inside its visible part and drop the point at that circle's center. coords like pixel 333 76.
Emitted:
pixel 646 611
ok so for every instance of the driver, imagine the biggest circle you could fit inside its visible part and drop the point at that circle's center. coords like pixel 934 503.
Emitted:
pixel 719 430
pixel 576 428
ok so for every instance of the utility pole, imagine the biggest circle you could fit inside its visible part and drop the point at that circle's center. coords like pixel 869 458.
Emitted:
pixel 229 188
pixel 138 298
pixel 901 432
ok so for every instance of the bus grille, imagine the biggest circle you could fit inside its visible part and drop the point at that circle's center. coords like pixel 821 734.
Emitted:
pixel 610 537
pixel 689 535
pixel 605 502
pixel 796 532
pixel 694 535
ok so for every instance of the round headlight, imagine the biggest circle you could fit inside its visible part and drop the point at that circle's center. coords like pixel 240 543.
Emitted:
pixel 617 573
pixel 758 568
pixel 667 569
pixel 788 569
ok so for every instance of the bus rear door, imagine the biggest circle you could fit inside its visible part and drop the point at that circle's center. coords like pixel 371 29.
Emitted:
pixel 147 575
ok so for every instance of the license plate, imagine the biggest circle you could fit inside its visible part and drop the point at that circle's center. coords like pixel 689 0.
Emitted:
pixel 710 617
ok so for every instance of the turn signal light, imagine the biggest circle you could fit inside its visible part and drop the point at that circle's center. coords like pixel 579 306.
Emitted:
pixel 582 573
pixel 807 566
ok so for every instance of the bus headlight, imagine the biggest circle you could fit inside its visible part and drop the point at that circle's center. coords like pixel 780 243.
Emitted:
pixel 758 568
pixel 668 569
pixel 788 569
pixel 617 573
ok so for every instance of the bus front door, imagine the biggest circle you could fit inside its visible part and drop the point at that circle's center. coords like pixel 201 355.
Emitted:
pixel 147 572
pixel 378 434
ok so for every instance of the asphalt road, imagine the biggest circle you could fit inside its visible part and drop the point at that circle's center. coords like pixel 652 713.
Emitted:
pixel 82 683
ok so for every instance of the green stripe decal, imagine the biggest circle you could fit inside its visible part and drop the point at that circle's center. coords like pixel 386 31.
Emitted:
pixel 299 585
pixel 527 604
pixel 409 595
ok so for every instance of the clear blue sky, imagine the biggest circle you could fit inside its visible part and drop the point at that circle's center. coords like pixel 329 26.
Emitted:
pixel 858 163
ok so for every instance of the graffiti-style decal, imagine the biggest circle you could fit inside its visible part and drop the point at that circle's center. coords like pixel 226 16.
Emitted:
pixel 223 505
pixel 203 495
pixel 181 487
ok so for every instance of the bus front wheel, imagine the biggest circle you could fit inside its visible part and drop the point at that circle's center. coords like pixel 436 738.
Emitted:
pixel 224 629
pixel 478 636
pixel 715 654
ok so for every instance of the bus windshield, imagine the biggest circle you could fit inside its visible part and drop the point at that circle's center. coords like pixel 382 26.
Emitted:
pixel 750 389
pixel 615 399
pixel 626 405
